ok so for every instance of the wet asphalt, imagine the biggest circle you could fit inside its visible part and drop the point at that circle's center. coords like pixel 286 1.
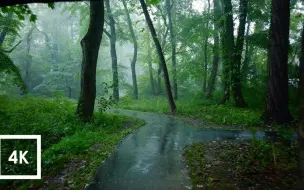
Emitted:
pixel 151 157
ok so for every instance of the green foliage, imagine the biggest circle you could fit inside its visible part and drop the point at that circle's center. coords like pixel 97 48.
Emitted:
pixel 105 101
pixel 206 111
pixel 64 138
pixel 7 66
pixel 20 10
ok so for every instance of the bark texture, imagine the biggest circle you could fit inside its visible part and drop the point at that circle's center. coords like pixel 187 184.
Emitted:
pixel 161 57
pixel 277 88
pixel 90 47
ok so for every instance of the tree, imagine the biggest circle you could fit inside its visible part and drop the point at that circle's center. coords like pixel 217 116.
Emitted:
pixel 150 65
pixel 90 47
pixel 236 63
pixel 277 87
pixel 214 68
pixel 5 29
pixel 248 52
pixel 112 37
pixel 133 61
pixel 169 8
pixel 300 131
pixel 28 59
pixel 227 48
pixel 161 57
pixel 206 51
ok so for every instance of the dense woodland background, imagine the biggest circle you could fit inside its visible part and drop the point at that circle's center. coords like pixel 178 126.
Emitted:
pixel 233 62
pixel 49 55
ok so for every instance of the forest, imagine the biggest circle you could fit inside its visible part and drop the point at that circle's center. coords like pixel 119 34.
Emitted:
pixel 152 94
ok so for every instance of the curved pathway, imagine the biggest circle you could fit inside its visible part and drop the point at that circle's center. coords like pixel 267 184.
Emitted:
pixel 151 157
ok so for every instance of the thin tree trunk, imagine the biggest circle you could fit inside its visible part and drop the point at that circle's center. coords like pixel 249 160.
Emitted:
pixel 216 52
pixel 173 47
pixel 206 52
pixel 300 131
pixel 28 60
pixel 277 89
pixel 159 70
pixel 113 51
pixel 236 63
pixel 248 50
pixel 69 92
pixel 90 47
pixel 150 66
pixel 133 61
pixel 227 48
pixel 161 56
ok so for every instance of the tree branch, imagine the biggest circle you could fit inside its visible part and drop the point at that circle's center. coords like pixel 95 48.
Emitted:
pixel 107 33
pixel 10 51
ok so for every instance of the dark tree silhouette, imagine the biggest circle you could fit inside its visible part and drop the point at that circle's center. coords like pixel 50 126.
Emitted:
pixel 161 56
pixel 90 46
pixel 236 63
pixel 277 88
pixel 300 131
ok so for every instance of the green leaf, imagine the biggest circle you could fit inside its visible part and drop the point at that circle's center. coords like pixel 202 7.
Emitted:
pixel 51 5
pixel 33 18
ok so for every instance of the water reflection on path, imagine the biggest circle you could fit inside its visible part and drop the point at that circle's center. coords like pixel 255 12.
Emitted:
pixel 151 157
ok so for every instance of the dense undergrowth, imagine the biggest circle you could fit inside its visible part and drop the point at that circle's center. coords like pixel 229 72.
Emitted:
pixel 223 115
pixel 65 140
pixel 242 165
pixel 204 110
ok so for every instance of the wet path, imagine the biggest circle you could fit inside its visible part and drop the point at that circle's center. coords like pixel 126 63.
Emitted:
pixel 151 157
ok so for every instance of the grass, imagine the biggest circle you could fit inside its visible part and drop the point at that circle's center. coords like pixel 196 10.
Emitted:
pixel 242 165
pixel 72 150
pixel 231 117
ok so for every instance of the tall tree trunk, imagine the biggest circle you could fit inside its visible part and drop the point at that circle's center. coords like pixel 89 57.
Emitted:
pixel 248 51
pixel 113 51
pixel 277 89
pixel 90 47
pixel 28 60
pixel 236 63
pixel 227 48
pixel 214 68
pixel 173 47
pixel 133 61
pixel 206 51
pixel 300 131
pixel 150 66
pixel 161 57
